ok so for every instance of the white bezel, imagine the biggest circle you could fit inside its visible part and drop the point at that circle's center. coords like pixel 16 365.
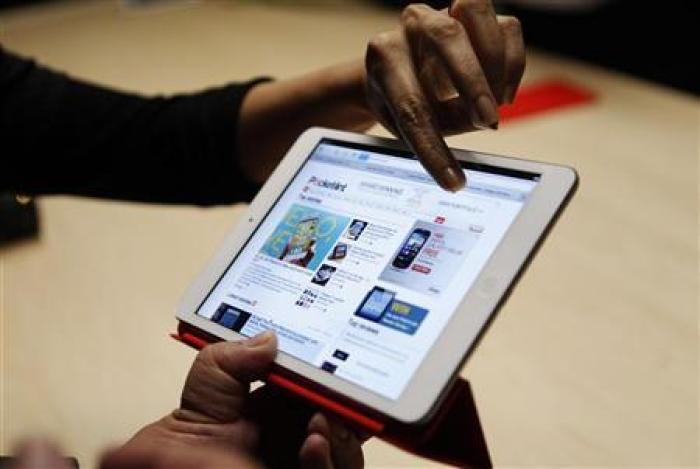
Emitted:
pixel 461 333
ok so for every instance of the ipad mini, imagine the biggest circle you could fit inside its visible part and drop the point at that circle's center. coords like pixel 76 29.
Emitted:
pixel 377 282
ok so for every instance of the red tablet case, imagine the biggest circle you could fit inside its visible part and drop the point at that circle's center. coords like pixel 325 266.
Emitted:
pixel 452 436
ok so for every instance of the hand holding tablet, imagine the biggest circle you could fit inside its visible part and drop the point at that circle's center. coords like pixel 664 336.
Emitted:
pixel 239 422
pixel 397 279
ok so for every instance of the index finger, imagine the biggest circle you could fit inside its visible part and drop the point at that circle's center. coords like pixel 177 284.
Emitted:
pixel 393 74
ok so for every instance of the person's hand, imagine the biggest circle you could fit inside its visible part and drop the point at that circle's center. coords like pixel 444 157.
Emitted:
pixel 218 411
pixel 444 72
pixel 438 73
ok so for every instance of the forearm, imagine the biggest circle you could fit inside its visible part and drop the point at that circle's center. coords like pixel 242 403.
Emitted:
pixel 274 114
pixel 67 136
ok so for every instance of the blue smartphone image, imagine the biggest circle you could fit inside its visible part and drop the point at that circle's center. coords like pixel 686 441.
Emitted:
pixel 375 304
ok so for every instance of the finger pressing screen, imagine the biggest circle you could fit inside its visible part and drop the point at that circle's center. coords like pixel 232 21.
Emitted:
pixel 390 69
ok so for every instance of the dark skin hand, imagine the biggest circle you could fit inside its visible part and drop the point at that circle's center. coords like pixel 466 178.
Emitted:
pixel 220 423
pixel 441 73
pixel 218 410
pixel 437 73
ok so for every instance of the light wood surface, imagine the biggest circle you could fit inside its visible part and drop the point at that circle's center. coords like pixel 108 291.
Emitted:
pixel 593 361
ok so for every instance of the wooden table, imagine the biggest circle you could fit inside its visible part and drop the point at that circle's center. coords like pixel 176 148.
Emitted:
pixel 594 361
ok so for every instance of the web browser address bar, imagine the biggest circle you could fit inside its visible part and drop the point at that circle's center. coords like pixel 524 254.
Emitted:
pixel 360 200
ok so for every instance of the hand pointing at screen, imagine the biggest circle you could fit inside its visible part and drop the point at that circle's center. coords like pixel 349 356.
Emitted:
pixel 444 72
pixel 437 73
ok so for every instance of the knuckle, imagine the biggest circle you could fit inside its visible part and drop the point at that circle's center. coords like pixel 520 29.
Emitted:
pixel 414 12
pixel 444 28
pixel 512 25
pixel 380 46
pixel 206 356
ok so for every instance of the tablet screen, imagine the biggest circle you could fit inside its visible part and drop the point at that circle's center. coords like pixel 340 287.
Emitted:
pixel 363 259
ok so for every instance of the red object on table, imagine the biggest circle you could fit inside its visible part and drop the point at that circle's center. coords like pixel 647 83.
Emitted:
pixel 546 96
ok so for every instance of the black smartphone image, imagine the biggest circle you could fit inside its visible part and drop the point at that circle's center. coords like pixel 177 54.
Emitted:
pixel 323 275
pixel 339 252
pixel 355 229
pixel 411 247
pixel 375 304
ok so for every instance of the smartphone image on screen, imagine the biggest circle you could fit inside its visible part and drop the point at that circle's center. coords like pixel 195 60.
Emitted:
pixel 355 229
pixel 323 275
pixel 339 252
pixel 411 247
pixel 303 238
pixel 375 304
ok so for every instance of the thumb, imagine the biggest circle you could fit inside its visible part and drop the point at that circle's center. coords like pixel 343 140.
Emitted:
pixel 248 360
pixel 218 383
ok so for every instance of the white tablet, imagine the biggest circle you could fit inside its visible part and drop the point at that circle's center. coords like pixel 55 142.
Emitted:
pixel 377 282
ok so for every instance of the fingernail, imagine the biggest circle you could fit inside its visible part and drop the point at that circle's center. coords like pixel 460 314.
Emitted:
pixel 485 113
pixel 259 340
pixel 509 94
pixel 452 179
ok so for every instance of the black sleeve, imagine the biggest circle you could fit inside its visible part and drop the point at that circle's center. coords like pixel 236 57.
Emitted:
pixel 62 136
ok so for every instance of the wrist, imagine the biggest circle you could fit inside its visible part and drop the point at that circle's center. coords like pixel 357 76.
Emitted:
pixel 332 97
pixel 348 82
